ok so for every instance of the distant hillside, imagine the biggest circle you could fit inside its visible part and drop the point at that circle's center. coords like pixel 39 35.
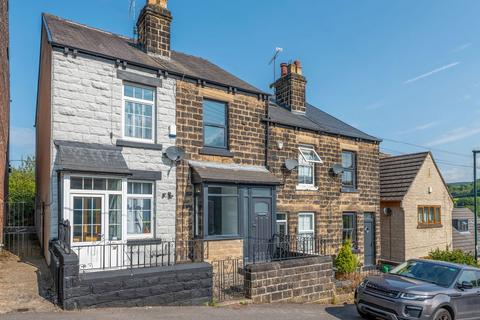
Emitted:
pixel 462 193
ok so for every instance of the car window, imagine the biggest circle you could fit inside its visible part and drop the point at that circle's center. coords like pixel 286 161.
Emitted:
pixel 427 271
pixel 469 276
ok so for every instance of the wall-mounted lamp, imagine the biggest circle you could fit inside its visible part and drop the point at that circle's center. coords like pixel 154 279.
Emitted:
pixel 280 145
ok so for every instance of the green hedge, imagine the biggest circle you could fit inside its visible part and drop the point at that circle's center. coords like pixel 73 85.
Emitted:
pixel 455 256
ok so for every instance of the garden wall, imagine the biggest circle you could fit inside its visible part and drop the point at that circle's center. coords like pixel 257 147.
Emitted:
pixel 183 284
pixel 299 280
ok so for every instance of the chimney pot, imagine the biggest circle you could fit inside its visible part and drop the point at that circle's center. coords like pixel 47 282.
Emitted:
pixel 160 3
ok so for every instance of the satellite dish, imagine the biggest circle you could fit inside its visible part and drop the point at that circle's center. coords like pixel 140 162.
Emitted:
pixel 291 164
pixel 336 170
pixel 387 211
pixel 174 153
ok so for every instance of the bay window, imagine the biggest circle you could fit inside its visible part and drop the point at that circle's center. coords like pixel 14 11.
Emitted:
pixel 222 211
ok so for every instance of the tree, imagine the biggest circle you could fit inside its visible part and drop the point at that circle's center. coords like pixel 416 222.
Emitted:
pixel 21 184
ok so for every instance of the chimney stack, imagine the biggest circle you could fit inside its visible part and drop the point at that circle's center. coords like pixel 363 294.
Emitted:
pixel 290 88
pixel 153 27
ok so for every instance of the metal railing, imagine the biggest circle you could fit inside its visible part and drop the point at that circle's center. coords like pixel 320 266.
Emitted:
pixel 286 247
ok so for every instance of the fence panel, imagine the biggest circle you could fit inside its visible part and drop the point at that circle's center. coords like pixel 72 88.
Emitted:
pixel 19 232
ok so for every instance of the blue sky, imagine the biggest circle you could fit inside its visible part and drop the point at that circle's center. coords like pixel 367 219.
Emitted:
pixel 405 71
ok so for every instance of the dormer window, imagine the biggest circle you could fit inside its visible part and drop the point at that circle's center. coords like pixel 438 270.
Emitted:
pixel 139 106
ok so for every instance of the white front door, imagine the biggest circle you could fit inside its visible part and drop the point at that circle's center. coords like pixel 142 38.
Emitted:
pixel 88 229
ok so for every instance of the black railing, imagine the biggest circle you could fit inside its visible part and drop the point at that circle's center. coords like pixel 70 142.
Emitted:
pixel 137 254
pixel 286 247
pixel 132 254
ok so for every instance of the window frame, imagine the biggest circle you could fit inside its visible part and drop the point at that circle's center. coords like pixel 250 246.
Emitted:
pixel 437 212
pixel 307 163
pixel 152 103
pixel 348 187
pixel 69 194
pixel 225 127
pixel 457 222
pixel 281 221
pixel 151 196
pixel 354 228
pixel 206 196
pixel 311 231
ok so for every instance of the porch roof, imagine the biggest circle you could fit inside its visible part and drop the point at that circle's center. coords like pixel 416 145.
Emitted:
pixel 231 173
pixel 90 157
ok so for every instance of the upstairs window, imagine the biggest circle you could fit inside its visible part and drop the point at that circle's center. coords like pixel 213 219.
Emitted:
pixel 307 159
pixel 349 176
pixel 139 112
pixel 460 225
pixel 215 124
pixel 429 215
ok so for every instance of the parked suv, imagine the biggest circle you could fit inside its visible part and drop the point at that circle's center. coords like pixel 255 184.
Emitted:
pixel 421 289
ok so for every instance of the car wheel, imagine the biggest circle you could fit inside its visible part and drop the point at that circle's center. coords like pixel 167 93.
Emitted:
pixel 364 315
pixel 442 314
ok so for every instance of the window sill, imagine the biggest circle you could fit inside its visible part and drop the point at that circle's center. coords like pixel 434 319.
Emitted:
pixel 216 152
pixel 220 238
pixel 139 145
pixel 306 188
pixel 429 226
pixel 349 190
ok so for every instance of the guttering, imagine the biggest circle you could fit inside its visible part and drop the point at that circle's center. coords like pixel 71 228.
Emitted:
pixel 179 76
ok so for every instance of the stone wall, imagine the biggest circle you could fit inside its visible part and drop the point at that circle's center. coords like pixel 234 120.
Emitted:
pixel 326 200
pixel 184 284
pixel 4 108
pixel 299 280
pixel 87 104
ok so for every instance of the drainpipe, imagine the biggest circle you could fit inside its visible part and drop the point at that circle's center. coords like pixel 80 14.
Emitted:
pixel 267 131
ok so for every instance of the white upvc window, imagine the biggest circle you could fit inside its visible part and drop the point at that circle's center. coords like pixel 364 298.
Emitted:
pixel 138 112
pixel 140 209
pixel 93 205
pixel 281 224
pixel 307 159
pixel 306 232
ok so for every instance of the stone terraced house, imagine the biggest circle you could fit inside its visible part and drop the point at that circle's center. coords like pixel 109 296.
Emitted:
pixel 110 107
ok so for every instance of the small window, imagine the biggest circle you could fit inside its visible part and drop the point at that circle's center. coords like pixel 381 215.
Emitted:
pixel 349 176
pixel 460 225
pixel 307 159
pixel 350 227
pixel 139 112
pixel 306 224
pixel 429 215
pixel 140 209
pixel 281 224
pixel 97 184
pixel 215 128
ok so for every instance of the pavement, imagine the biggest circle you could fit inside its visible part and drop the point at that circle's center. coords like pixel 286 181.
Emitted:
pixel 25 284
pixel 236 312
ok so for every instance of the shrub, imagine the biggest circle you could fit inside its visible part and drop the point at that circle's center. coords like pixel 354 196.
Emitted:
pixel 455 256
pixel 346 262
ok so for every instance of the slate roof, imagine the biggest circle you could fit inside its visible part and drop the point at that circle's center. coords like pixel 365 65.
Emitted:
pixel 316 120
pixel 397 174
pixel 219 172
pixel 67 33
pixel 90 157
